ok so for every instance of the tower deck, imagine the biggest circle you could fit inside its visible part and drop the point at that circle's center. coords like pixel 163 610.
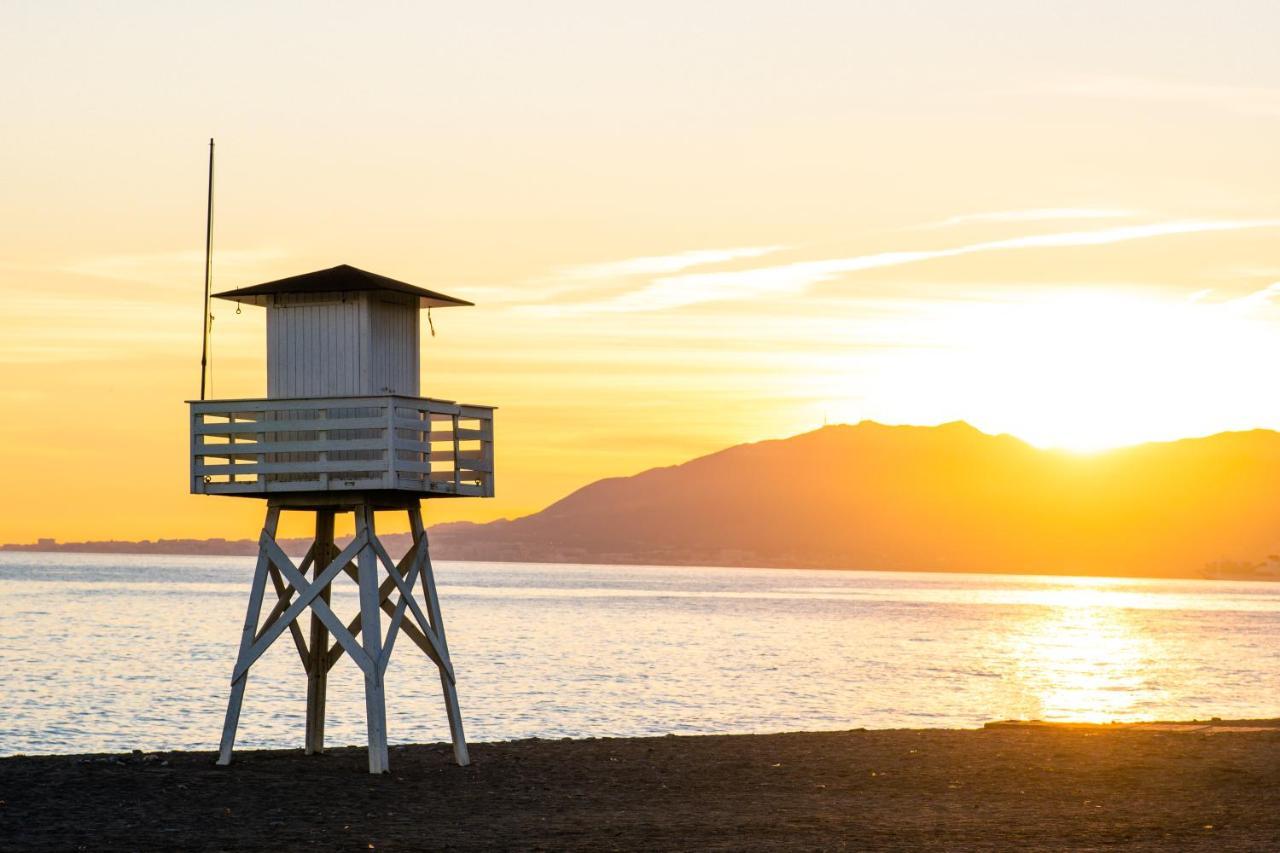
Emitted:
pixel 415 446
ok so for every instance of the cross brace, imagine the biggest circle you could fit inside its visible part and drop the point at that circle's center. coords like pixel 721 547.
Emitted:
pixel 362 639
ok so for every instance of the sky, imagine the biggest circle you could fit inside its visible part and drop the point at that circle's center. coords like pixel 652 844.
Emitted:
pixel 684 225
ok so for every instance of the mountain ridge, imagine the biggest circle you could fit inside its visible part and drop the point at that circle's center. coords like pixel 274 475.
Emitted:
pixel 895 497
pixel 946 497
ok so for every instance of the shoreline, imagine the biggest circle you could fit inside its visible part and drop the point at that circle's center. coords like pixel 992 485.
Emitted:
pixel 298 551
pixel 1154 786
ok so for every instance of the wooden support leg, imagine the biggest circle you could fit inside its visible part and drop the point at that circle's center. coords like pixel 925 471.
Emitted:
pixel 371 634
pixel 317 665
pixel 437 625
pixel 251 616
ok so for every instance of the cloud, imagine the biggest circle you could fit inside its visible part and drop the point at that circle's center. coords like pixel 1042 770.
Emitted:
pixel 659 264
pixel 1037 214
pixel 583 283
pixel 675 291
pixel 1255 299
pixel 124 326
pixel 178 267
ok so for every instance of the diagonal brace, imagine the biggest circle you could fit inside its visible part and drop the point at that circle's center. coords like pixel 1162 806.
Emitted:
pixel 397 616
pixel 283 603
pixel 420 638
pixel 310 592
pixel 285 592
pixel 308 595
pixel 406 593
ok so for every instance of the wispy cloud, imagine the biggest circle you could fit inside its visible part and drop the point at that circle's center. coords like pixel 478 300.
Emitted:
pixel 128 325
pixel 1255 299
pixel 1036 214
pixel 1252 272
pixel 177 267
pixel 1246 100
pixel 660 264
pixel 674 291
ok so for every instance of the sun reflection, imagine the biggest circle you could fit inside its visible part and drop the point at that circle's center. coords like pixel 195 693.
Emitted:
pixel 1084 659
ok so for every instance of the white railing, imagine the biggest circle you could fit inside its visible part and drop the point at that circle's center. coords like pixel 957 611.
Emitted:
pixel 328 444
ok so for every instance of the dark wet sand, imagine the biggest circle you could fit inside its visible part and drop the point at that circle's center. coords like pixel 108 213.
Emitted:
pixel 1001 788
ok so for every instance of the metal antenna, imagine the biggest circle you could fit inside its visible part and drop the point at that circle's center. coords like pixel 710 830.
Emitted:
pixel 208 277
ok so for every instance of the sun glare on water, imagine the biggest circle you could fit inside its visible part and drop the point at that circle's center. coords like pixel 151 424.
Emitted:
pixel 1083 659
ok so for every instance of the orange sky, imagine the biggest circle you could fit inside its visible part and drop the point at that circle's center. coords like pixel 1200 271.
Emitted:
pixel 685 225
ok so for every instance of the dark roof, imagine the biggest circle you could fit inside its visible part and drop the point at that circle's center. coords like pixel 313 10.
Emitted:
pixel 339 279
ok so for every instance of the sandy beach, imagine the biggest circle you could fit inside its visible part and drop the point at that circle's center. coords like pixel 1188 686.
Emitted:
pixel 1157 787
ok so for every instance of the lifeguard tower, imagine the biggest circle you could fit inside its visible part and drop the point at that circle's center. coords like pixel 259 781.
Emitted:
pixel 343 429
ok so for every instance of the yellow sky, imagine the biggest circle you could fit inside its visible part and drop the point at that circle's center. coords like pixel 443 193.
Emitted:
pixel 685 225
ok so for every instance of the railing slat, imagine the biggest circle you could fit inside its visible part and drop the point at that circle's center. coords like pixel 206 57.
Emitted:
pixel 307 425
pixel 401 437
pixel 332 466
pixel 244 448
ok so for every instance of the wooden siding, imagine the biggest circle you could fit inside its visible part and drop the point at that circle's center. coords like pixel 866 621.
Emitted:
pixel 393 344
pixel 330 346
pixel 314 346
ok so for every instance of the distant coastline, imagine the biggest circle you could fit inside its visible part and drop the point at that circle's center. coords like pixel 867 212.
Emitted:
pixel 872 497
pixel 216 547
pixel 461 550
pixel 212 547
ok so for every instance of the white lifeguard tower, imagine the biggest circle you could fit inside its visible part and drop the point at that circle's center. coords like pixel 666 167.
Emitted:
pixel 343 429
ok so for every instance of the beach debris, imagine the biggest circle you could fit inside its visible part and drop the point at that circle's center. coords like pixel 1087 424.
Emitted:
pixel 135 758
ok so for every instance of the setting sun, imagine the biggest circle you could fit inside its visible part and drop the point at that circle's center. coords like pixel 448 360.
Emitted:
pixel 1085 371
pixel 1075 368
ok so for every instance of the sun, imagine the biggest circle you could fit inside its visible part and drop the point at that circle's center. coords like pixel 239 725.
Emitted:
pixel 1099 370
pixel 1082 369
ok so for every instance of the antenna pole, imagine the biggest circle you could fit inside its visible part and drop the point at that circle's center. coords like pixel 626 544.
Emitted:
pixel 208 277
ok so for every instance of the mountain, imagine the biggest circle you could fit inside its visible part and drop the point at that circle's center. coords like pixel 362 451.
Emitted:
pixel 870 496
pixel 948 498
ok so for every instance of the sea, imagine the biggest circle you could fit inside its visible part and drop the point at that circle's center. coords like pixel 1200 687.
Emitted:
pixel 120 652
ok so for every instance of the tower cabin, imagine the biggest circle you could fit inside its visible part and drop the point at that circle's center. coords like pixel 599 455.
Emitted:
pixel 343 411
pixel 343 429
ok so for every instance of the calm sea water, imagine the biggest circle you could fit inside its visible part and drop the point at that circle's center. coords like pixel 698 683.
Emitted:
pixel 119 652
